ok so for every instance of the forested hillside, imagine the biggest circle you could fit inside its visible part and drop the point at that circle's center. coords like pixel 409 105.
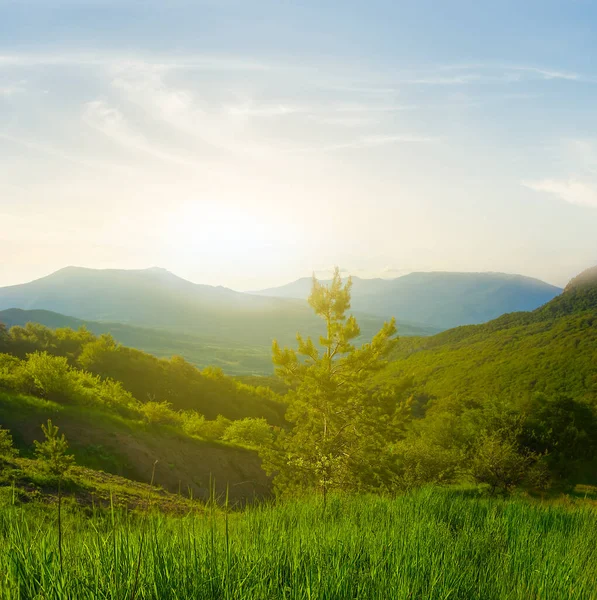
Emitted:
pixel 523 385
pixel 552 349
pixel 234 358
pixel 146 377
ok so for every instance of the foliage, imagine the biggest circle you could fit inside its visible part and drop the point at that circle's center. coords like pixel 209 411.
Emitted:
pixel 340 422
pixel 564 430
pixel 7 449
pixel 419 461
pixel 4 338
pixel 160 413
pixel 52 452
pixel 498 463
pixel 146 377
pixel 249 432
pixel 212 430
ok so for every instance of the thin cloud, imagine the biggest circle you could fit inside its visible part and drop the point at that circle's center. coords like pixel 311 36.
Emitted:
pixel 52 151
pixel 107 59
pixel 572 191
pixel 11 89
pixel 369 141
pixel 533 72
pixel 110 122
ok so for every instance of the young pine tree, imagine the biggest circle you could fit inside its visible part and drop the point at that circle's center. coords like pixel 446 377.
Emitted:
pixel 52 452
pixel 341 420
pixel 7 450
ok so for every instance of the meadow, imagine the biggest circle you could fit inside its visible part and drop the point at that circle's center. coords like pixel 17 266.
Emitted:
pixel 433 543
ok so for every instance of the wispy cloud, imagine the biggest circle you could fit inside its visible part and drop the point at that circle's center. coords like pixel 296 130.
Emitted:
pixel 111 59
pixel 274 110
pixel 110 122
pixel 11 89
pixel 508 72
pixel 182 110
pixel 371 141
pixel 572 191
pixel 579 185
pixel 55 152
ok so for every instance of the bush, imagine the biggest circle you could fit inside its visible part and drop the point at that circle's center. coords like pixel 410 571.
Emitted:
pixel 51 375
pixel 420 462
pixel 499 463
pixel 160 413
pixel 209 430
pixel 249 432
pixel 193 423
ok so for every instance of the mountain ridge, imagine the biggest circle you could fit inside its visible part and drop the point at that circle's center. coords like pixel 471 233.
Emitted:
pixel 443 299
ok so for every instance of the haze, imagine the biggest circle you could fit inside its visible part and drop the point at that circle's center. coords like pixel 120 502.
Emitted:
pixel 247 144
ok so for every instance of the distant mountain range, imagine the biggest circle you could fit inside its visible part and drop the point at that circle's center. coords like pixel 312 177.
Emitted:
pixel 438 299
pixel 157 311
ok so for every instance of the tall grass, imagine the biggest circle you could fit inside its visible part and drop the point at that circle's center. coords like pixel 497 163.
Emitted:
pixel 434 544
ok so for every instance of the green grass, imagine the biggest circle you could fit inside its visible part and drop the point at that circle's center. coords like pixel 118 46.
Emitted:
pixel 432 544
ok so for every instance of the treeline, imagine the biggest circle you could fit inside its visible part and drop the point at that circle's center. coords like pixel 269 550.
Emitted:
pixel 147 378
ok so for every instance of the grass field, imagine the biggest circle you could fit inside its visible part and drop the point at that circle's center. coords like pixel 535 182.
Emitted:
pixel 431 544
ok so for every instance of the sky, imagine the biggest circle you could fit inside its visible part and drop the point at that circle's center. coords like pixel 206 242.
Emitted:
pixel 247 144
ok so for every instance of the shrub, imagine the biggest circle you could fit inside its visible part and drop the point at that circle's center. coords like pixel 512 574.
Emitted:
pixel 499 464
pixel 193 423
pixel 249 432
pixel 209 430
pixel 419 462
pixel 160 413
pixel 12 373
pixel 51 375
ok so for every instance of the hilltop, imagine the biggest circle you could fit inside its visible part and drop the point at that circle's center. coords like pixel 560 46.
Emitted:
pixel 438 299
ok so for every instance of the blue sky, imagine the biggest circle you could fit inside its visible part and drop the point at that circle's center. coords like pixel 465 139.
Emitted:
pixel 249 143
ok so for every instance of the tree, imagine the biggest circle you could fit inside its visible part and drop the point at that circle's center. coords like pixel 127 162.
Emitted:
pixel 341 419
pixel 52 454
pixel 499 463
pixel 53 451
pixel 7 450
pixel 4 338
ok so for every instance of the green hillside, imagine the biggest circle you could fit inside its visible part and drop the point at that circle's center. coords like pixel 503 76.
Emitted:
pixel 515 395
pixel 102 440
pixel 202 351
pixel 552 350
pixel 209 392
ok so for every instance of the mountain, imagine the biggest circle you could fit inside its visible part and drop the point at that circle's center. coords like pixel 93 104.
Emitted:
pixel 439 299
pixel 155 299
pixel 551 350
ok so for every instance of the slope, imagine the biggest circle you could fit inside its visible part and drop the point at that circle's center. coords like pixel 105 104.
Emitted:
pixel 202 351
pixel 552 350
pixel 106 442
